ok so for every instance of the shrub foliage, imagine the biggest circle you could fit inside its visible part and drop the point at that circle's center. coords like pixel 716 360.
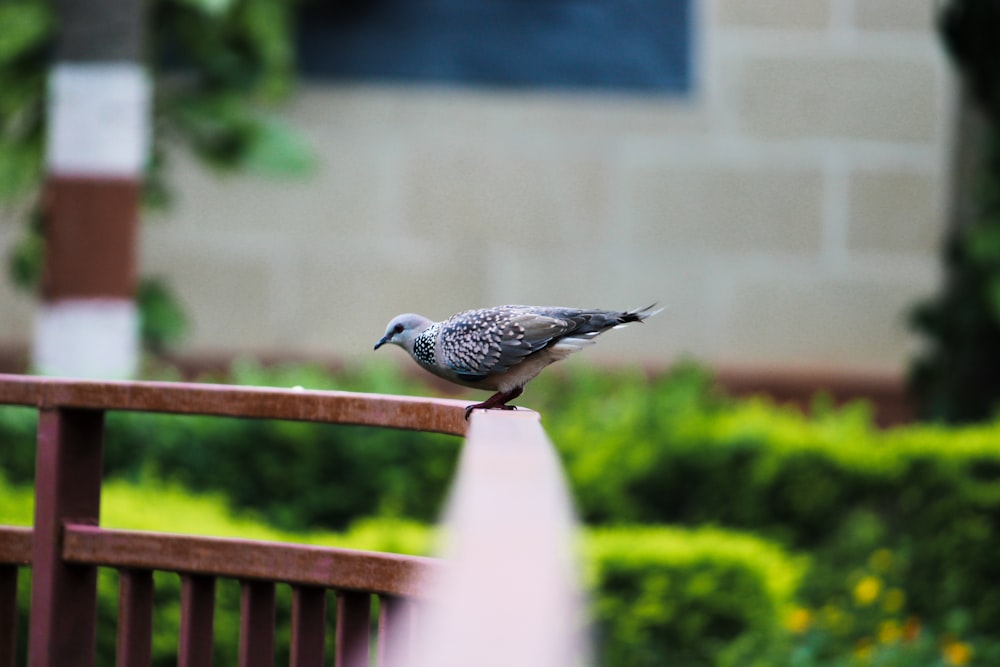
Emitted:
pixel 718 594
pixel 642 451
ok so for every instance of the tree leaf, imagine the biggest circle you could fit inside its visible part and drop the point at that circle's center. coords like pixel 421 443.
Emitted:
pixel 25 25
pixel 212 7
pixel 279 150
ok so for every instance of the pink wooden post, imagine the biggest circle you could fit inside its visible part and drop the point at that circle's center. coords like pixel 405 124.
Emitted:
pixel 8 614
pixel 257 624
pixel 197 621
pixel 353 619
pixel 67 488
pixel 135 618
pixel 395 630
pixel 308 626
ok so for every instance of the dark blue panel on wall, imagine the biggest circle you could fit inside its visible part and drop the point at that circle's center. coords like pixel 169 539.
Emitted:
pixel 620 44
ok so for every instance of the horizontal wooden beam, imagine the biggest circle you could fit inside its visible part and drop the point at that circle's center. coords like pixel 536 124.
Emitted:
pixel 296 564
pixel 340 407
pixel 15 545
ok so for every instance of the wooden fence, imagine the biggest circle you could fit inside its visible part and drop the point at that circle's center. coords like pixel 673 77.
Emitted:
pixel 67 545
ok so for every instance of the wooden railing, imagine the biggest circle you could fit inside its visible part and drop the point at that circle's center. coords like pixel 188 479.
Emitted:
pixel 67 545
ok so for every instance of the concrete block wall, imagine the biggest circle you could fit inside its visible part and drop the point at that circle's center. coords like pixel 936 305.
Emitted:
pixel 786 213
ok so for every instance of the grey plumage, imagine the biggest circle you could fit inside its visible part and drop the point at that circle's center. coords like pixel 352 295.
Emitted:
pixel 504 347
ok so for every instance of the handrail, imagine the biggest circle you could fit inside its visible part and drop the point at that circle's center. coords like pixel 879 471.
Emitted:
pixel 507 596
pixel 340 407
pixel 297 564
pixel 15 547
pixel 66 546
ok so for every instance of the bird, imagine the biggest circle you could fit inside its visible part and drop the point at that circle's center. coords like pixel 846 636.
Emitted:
pixel 502 348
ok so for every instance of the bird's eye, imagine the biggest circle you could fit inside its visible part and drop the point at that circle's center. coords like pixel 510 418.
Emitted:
pixel 398 329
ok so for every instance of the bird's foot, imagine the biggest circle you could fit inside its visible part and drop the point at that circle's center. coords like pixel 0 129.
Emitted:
pixel 480 406
pixel 497 401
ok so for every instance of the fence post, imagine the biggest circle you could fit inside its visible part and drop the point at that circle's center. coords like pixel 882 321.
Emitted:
pixel 67 489
pixel 509 594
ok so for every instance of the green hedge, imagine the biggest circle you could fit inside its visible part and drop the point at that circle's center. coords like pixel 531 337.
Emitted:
pixel 639 450
pixel 295 475
pixel 701 597
pixel 689 597
pixel 830 483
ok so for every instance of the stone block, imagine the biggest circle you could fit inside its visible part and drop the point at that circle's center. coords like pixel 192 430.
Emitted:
pixel 914 15
pixel 227 291
pixel 802 14
pixel 826 97
pixel 347 190
pixel 811 318
pixel 503 193
pixel 725 207
pixel 895 211
pixel 346 293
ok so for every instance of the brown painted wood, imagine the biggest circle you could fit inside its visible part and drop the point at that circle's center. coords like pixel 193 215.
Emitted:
pixel 308 626
pixel 135 618
pixel 8 614
pixel 295 564
pixel 90 232
pixel 341 407
pixel 353 629
pixel 257 624
pixel 15 545
pixel 67 488
pixel 197 639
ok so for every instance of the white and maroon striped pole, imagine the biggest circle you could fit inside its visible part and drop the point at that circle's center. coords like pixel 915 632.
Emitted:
pixel 98 142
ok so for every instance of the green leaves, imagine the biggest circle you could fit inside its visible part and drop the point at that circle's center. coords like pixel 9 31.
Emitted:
pixel 20 167
pixel 27 24
pixel 220 67
pixel 227 134
pixel 24 41
pixel 211 7
pixel 26 258
pixel 955 378
pixel 278 150
pixel 162 320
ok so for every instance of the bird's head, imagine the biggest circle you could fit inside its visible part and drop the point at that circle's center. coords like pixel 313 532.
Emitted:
pixel 403 329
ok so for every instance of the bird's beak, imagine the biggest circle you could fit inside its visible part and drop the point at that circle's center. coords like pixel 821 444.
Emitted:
pixel 381 341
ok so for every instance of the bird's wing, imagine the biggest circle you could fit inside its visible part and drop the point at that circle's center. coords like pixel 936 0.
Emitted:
pixel 491 341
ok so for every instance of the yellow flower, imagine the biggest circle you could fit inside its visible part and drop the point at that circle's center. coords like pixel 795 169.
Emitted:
pixel 867 590
pixel 799 620
pixel 956 653
pixel 893 601
pixel 889 632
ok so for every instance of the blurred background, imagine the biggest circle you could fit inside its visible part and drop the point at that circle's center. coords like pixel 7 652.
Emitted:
pixel 775 174
pixel 809 188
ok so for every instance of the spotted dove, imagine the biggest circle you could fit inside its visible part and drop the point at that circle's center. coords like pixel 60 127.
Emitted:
pixel 501 348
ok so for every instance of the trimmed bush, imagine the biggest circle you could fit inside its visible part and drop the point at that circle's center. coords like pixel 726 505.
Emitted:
pixel 830 484
pixel 638 450
pixel 295 475
pixel 702 597
pixel 689 597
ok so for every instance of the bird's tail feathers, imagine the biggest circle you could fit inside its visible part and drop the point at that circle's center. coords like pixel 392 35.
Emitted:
pixel 572 344
pixel 639 314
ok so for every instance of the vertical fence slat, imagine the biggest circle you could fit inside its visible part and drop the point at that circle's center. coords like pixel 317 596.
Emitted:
pixel 197 621
pixel 395 629
pixel 257 624
pixel 8 614
pixel 353 629
pixel 135 618
pixel 63 625
pixel 308 626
